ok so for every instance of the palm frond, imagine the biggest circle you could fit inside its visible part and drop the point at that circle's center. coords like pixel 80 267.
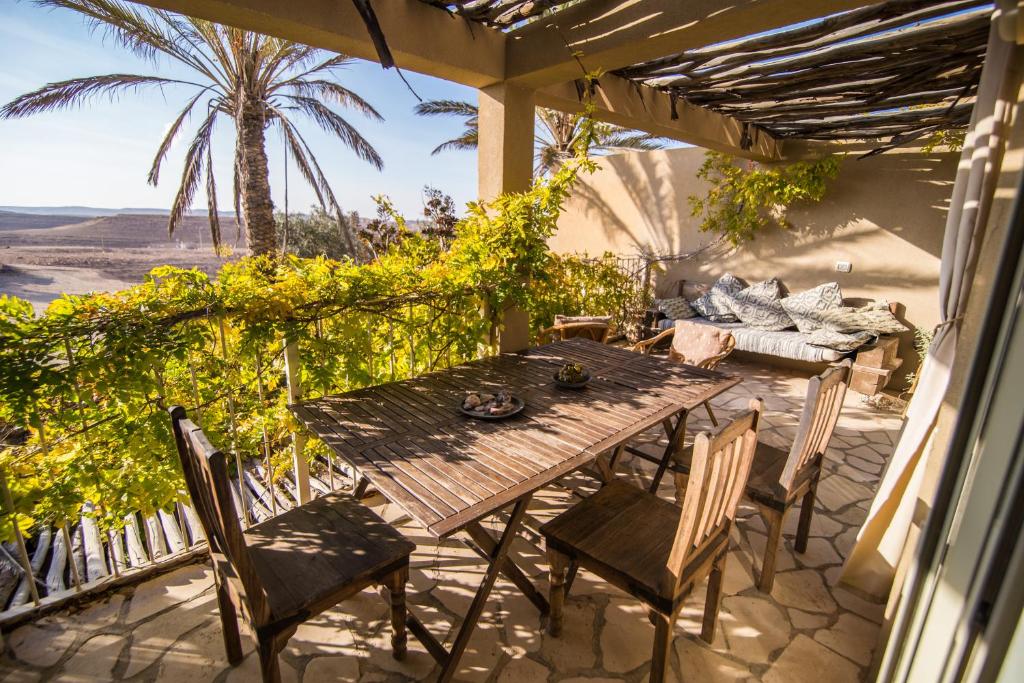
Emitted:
pixel 193 171
pixel 298 147
pixel 211 201
pixel 622 139
pixel 131 27
pixel 333 123
pixel 468 140
pixel 331 91
pixel 165 145
pixel 63 94
pixel 446 108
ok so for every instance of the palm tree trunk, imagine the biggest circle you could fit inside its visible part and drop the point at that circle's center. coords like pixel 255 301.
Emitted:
pixel 257 207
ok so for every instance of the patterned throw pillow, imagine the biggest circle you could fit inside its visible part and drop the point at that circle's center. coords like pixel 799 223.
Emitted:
pixel 759 306
pixel 715 304
pixel 838 340
pixel 806 308
pixel 676 308
pixel 874 317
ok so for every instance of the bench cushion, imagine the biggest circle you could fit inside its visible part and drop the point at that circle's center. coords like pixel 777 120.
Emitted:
pixel 782 344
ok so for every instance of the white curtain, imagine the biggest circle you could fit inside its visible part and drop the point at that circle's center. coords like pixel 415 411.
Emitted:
pixel 873 562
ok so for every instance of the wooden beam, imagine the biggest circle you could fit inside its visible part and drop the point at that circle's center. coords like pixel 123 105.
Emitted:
pixel 611 34
pixel 624 103
pixel 422 38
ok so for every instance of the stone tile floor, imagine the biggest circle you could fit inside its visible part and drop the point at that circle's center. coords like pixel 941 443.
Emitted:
pixel 808 629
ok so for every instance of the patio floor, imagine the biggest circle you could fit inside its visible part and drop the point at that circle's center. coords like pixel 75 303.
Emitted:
pixel 809 629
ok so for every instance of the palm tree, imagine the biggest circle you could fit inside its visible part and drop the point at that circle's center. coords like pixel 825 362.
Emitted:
pixel 254 80
pixel 554 139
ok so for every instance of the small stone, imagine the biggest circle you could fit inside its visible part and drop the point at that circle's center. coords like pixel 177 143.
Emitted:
pixel 482 656
pixel 100 614
pixel 754 628
pixel 154 637
pixel 627 638
pixel 95 659
pixel 249 671
pixel 18 674
pixel 324 669
pixel 864 465
pixel 524 670
pixel 574 648
pixel 872 611
pixel 701 664
pixel 168 590
pixel 819 553
pixel 805 660
pixel 805 590
pixel 199 656
pixel 41 643
pixel 783 558
pixel 852 637
pixel 805 620
pixel 835 492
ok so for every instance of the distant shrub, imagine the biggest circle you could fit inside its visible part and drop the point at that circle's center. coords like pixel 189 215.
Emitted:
pixel 320 233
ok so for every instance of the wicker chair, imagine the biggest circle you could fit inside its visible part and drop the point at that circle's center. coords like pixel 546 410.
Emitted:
pixel 597 328
pixel 702 346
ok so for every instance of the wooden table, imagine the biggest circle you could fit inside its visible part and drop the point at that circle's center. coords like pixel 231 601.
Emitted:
pixel 448 472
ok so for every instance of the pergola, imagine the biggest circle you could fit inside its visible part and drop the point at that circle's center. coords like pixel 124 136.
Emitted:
pixel 752 78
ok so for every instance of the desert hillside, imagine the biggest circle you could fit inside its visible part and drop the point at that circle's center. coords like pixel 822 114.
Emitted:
pixel 43 256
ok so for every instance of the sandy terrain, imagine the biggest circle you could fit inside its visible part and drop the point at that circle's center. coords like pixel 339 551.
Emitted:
pixel 52 255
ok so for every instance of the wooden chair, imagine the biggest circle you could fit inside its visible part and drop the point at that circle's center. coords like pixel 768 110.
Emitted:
pixel 283 571
pixel 651 548
pixel 780 480
pixel 703 346
pixel 597 328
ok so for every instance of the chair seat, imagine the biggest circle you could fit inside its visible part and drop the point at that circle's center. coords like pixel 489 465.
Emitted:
pixel 763 485
pixel 625 536
pixel 309 554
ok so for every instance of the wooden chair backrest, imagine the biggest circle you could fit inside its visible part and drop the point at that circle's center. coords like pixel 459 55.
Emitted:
pixel 701 345
pixel 208 484
pixel 718 476
pixel 825 394
pixel 596 331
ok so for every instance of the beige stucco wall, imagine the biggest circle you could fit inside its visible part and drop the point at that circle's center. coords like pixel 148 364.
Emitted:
pixel 884 214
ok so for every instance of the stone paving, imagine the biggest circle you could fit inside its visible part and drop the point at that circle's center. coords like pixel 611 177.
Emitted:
pixel 808 629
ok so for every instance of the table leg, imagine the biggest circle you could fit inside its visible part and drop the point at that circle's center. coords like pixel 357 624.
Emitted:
pixel 512 572
pixel 674 439
pixel 476 608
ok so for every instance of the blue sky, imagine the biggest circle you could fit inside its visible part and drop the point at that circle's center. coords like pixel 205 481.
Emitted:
pixel 99 155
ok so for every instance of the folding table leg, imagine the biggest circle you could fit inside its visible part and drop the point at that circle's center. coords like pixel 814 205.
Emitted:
pixel 673 442
pixel 476 608
pixel 512 572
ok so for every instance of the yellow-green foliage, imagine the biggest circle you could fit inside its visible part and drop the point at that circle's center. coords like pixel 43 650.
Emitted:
pixel 744 199
pixel 93 377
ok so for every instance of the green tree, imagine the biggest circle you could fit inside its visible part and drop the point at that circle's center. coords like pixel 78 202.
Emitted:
pixel 253 80
pixel 556 136
pixel 320 233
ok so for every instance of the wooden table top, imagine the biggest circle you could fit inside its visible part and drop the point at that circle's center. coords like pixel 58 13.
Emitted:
pixel 446 470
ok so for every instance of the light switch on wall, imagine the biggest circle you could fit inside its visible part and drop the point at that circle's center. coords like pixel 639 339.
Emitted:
pixel 843 266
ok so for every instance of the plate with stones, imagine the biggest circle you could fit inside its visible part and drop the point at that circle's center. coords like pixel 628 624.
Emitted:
pixel 483 405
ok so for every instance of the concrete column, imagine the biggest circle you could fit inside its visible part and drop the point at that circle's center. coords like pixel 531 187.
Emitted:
pixel 505 164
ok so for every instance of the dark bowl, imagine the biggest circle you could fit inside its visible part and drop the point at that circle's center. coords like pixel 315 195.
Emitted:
pixel 572 385
pixel 516 401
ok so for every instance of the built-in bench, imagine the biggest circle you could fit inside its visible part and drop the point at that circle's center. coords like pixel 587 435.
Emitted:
pixel 873 364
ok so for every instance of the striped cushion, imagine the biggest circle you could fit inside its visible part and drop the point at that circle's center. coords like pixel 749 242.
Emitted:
pixel 676 308
pixel 759 306
pixel 806 308
pixel 714 305
pixel 874 318
pixel 783 344
pixel 838 340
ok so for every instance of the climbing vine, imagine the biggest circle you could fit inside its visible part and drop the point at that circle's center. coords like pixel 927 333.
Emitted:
pixel 91 378
pixel 744 200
